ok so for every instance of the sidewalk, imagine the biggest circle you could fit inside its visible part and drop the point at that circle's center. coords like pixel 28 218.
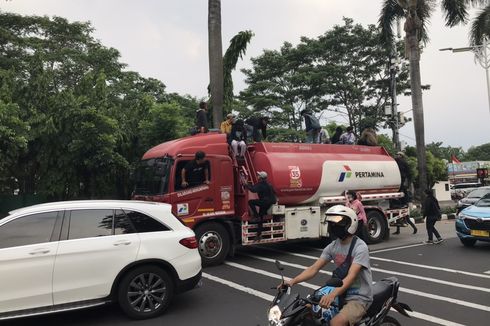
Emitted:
pixel 405 238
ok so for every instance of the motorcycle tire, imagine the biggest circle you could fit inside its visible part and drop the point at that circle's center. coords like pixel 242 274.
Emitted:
pixel 390 321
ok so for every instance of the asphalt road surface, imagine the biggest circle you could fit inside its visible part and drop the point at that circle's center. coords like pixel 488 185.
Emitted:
pixel 445 284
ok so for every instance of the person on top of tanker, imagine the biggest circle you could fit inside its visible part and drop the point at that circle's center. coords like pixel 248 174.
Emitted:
pixel 354 269
pixel 237 138
pixel 267 198
pixel 226 125
pixel 312 126
pixel 195 172
pixel 202 118
pixel 257 128
pixel 348 138
pixel 336 136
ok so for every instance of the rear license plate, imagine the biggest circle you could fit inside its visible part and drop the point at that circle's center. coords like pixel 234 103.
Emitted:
pixel 480 233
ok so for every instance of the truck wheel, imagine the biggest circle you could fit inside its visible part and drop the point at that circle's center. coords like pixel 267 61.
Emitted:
pixel 376 226
pixel 390 321
pixel 214 243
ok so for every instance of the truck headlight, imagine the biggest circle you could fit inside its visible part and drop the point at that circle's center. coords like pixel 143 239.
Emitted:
pixel 275 315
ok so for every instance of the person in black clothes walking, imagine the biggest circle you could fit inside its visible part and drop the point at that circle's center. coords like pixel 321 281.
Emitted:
pixel 202 118
pixel 432 212
pixel 267 198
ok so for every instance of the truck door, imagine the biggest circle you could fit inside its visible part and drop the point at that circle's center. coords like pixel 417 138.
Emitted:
pixel 202 201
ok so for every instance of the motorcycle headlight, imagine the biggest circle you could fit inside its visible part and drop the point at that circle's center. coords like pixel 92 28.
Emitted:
pixel 275 315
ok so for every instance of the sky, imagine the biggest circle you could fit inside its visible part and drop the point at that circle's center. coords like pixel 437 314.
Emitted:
pixel 167 40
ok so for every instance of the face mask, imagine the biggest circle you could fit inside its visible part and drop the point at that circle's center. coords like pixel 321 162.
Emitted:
pixel 339 231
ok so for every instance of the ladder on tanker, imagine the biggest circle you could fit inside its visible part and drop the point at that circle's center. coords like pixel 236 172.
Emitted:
pixel 272 231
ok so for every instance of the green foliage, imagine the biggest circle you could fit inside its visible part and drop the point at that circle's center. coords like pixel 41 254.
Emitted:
pixel 343 71
pixel 386 142
pixel 478 153
pixel 445 152
pixel 436 167
pixel 73 120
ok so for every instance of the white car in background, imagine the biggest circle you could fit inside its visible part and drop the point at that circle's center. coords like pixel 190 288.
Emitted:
pixel 71 255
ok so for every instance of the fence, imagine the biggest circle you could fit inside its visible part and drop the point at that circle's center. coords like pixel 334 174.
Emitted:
pixel 11 202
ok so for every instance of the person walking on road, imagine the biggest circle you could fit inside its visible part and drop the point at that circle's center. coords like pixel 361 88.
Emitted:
pixel 267 198
pixel 432 212
pixel 353 202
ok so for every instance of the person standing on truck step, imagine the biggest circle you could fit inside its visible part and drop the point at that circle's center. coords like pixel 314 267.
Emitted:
pixel 257 128
pixel 312 126
pixel 351 257
pixel 237 138
pixel 226 125
pixel 353 202
pixel 432 212
pixel 196 172
pixel 202 118
pixel 348 138
pixel 267 198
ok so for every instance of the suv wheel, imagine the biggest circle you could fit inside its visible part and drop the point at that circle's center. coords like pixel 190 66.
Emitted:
pixel 145 292
pixel 468 242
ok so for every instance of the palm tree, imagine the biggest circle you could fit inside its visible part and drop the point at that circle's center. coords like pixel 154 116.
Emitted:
pixel 417 14
pixel 236 50
pixel 480 28
pixel 215 60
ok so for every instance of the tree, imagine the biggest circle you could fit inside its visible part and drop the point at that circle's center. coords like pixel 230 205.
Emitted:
pixel 417 14
pixel 480 28
pixel 73 121
pixel 436 167
pixel 445 152
pixel 236 50
pixel 344 70
pixel 478 153
pixel 215 60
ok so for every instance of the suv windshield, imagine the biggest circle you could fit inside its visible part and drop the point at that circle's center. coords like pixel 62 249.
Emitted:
pixel 478 193
pixel 151 176
pixel 484 202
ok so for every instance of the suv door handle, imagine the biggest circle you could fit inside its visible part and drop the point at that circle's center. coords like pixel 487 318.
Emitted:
pixel 122 243
pixel 41 251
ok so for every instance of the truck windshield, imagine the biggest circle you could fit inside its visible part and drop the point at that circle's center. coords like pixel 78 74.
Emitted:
pixel 151 177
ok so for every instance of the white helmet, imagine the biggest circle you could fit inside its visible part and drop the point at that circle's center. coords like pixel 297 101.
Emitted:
pixel 339 213
pixel 262 174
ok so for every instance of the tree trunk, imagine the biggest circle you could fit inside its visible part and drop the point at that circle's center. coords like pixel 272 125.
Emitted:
pixel 215 60
pixel 418 109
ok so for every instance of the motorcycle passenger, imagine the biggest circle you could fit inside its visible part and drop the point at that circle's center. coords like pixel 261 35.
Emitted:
pixel 356 290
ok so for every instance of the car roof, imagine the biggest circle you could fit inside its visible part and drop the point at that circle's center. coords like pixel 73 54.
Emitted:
pixel 88 204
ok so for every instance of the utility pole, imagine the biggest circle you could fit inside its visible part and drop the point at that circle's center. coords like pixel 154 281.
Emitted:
pixel 395 123
pixel 482 55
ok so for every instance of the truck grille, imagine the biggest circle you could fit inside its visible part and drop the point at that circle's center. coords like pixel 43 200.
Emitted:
pixel 477 225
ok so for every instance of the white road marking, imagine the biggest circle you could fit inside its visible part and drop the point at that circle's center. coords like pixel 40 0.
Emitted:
pixel 442 269
pixel 397 248
pixel 269 298
pixel 429 279
pixel 239 287
pixel 401 289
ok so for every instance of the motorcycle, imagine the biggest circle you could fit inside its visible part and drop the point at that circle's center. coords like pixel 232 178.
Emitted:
pixel 289 309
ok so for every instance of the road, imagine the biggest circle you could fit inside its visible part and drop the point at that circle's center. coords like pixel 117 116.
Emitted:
pixel 445 284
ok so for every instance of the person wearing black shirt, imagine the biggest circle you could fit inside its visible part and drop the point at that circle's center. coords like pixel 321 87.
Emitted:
pixel 202 118
pixel 432 212
pixel 258 127
pixel 267 198
pixel 196 172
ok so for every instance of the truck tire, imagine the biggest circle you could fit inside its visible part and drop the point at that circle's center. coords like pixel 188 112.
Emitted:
pixel 376 227
pixel 213 243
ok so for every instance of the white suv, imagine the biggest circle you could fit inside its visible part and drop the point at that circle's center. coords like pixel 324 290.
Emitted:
pixel 71 255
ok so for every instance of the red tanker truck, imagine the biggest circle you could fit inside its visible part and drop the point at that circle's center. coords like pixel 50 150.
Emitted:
pixel 307 178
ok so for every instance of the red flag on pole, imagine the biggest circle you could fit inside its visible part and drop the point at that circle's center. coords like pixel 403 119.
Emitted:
pixel 455 160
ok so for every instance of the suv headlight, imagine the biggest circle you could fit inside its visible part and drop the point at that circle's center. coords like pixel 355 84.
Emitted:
pixel 275 315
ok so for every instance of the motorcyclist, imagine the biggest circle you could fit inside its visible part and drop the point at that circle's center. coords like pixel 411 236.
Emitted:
pixel 357 279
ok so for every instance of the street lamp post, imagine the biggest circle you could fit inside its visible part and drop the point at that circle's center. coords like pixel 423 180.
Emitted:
pixel 482 55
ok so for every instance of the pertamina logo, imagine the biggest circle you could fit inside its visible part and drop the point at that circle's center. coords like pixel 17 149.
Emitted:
pixel 345 174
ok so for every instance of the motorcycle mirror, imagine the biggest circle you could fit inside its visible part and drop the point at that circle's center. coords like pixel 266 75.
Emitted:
pixel 334 282
pixel 279 265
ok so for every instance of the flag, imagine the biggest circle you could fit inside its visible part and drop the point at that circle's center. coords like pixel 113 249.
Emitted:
pixel 455 160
